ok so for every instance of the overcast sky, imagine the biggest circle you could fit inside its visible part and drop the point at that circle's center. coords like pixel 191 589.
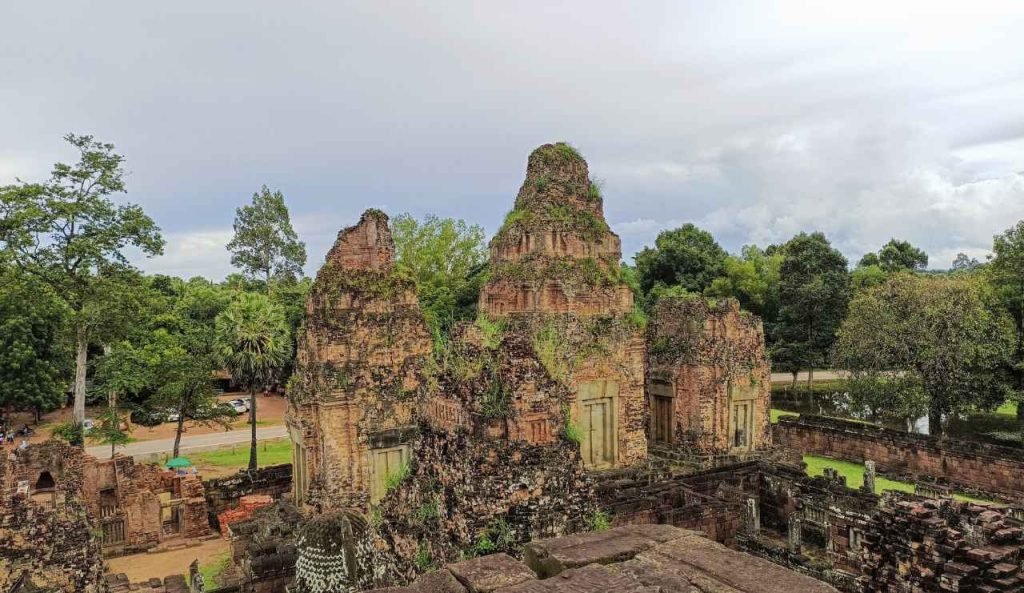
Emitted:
pixel 866 120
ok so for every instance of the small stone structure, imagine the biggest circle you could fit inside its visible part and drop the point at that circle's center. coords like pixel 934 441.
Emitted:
pixel 132 506
pixel 708 378
pixel 630 559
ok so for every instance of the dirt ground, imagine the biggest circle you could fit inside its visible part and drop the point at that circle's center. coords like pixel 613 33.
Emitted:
pixel 269 411
pixel 140 567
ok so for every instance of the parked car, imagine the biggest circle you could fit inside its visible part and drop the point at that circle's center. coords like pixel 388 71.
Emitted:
pixel 240 406
pixel 147 416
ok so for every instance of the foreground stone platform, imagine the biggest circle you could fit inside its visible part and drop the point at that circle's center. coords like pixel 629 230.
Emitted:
pixel 629 559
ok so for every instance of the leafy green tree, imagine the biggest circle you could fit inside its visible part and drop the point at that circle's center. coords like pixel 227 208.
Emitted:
pixel 69 235
pixel 1006 271
pixel 32 348
pixel 934 334
pixel 265 245
pixel 687 256
pixel 867 276
pixel 446 257
pixel 814 289
pixel 896 256
pixel 753 280
pixel 252 343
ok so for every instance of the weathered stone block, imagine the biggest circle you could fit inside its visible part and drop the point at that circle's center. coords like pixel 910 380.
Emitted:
pixel 488 573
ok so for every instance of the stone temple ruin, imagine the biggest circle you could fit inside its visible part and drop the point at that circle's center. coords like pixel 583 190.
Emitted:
pixel 499 435
pixel 560 442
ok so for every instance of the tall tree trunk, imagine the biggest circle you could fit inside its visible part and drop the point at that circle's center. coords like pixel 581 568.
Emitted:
pixel 935 418
pixel 792 388
pixel 80 367
pixel 178 430
pixel 252 423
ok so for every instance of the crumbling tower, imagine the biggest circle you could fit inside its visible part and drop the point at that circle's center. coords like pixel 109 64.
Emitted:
pixel 555 279
pixel 351 402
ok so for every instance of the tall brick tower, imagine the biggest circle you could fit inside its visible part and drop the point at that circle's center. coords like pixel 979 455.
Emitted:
pixel 351 402
pixel 555 277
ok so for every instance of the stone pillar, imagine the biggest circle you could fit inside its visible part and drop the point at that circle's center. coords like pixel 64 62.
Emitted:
pixel 795 525
pixel 869 476
pixel 752 517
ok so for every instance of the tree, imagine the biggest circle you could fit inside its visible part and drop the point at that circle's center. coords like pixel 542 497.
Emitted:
pixel 934 334
pixel 32 349
pixel 964 263
pixel 68 234
pixel 687 256
pixel 252 343
pixel 265 245
pixel 753 280
pixel 1007 275
pixel 867 276
pixel 446 257
pixel 814 289
pixel 896 256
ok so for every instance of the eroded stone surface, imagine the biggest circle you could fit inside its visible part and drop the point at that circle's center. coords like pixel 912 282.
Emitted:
pixel 488 573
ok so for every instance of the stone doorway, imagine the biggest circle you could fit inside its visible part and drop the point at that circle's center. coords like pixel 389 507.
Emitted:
pixel 598 424
pixel 662 412
pixel 385 465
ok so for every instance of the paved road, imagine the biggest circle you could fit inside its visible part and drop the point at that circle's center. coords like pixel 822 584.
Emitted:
pixel 192 443
pixel 802 376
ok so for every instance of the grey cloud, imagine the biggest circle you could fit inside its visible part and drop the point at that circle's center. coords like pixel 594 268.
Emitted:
pixel 757 121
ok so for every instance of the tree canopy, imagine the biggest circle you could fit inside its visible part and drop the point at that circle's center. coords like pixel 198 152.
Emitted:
pixel 253 344
pixel 896 256
pixel 68 233
pixel 265 246
pixel 688 256
pixel 814 289
pixel 933 334
pixel 446 257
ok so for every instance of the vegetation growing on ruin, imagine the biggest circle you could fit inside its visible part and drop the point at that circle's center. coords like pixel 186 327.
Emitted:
pixel 548 345
pixel 600 521
pixel 424 560
pixel 396 477
pixel 498 536
pixel 553 216
pixel 572 274
pixel 493 331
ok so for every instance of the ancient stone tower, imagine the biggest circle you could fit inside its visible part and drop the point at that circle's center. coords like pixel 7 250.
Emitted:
pixel 555 280
pixel 363 344
pixel 709 379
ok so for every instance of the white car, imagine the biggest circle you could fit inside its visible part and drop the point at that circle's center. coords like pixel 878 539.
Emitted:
pixel 240 406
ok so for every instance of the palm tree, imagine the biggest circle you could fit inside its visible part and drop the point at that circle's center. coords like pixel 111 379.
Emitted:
pixel 253 345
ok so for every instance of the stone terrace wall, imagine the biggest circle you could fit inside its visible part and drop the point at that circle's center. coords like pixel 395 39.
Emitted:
pixel 223 494
pixel 646 496
pixel 974 465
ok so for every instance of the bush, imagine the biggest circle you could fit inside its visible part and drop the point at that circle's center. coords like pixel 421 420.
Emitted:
pixel 600 521
pixel 70 432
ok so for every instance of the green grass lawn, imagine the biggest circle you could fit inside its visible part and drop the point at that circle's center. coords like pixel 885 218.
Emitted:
pixel 212 568
pixel 271 452
pixel 1007 409
pixel 854 473
pixel 776 413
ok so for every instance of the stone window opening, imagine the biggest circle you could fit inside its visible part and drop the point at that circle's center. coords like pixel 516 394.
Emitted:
pixel 45 483
pixel 108 503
